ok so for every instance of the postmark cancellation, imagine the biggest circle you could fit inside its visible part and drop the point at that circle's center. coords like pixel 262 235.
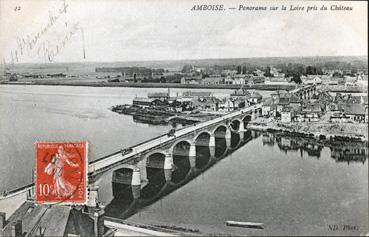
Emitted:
pixel 61 173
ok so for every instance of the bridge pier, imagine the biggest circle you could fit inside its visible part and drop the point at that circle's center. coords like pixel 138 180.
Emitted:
pixel 168 161
pixel 168 175
pixel 212 140
pixel 142 166
pixel 212 151
pixel 156 150
pixel 192 160
pixel 93 195
pixel 136 177
pixel 136 191
pixel 242 127
pixel 242 135
pixel 192 152
pixel 228 136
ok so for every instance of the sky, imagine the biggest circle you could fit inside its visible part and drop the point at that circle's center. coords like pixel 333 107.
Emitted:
pixel 135 30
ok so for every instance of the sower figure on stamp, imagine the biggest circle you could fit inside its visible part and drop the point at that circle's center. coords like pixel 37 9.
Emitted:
pixel 57 168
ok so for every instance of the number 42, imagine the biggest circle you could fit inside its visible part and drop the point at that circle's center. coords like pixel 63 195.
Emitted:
pixel 17 8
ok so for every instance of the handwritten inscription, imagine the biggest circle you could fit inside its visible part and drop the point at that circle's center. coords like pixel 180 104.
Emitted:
pixel 37 43
pixel 49 51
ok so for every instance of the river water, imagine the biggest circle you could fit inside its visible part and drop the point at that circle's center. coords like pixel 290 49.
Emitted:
pixel 292 189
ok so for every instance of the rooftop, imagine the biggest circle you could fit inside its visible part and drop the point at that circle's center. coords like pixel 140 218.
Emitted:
pixel 53 219
pixel 212 79
pixel 313 108
pixel 284 101
pixel 241 92
pixel 143 99
pixel 157 94
pixel 256 95
pixel 196 94
pixel 279 92
pixel 353 109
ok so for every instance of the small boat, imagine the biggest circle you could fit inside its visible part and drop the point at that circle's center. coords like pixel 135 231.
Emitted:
pixel 245 224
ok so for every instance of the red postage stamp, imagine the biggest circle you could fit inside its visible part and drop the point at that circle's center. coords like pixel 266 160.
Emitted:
pixel 61 172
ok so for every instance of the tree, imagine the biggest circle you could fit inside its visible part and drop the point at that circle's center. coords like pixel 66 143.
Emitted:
pixel 162 80
pixel 311 70
pixel 267 72
pixel 187 68
pixel 239 69
pixel 337 74
pixel 244 70
pixel 296 78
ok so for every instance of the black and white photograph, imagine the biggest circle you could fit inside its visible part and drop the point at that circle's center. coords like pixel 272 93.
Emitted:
pixel 183 118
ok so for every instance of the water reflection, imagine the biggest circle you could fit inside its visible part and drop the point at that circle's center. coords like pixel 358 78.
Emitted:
pixel 352 153
pixel 340 151
pixel 129 199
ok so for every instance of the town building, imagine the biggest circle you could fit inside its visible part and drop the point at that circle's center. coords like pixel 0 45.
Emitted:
pixel 192 80
pixel 313 81
pixel 239 81
pixel 267 109
pixel 143 102
pixel 228 80
pixel 158 95
pixel 310 113
pixel 278 94
pixel 213 80
pixel 287 115
pixel 356 113
pixel 241 93
pixel 258 80
pixel 255 98
pixel 209 104
pixel 55 220
pixel 197 94
pixel 226 105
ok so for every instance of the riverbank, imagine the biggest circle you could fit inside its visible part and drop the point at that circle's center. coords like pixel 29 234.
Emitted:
pixel 97 83
pixel 319 130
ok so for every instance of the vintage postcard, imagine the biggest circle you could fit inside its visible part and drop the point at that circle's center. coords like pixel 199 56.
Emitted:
pixel 183 117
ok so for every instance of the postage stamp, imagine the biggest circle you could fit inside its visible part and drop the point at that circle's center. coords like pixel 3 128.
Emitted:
pixel 61 173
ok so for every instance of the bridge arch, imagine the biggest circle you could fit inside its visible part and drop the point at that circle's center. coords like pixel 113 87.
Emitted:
pixel 247 117
pixel 200 134
pixel 219 126
pixel 172 148
pixel 235 124
pixel 220 131
pixel 155 159
pixel 162 152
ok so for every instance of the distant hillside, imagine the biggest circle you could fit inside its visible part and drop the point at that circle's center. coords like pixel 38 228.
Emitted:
pixel 360 62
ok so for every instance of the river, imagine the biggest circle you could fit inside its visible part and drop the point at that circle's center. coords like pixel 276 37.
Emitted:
pixel 303 191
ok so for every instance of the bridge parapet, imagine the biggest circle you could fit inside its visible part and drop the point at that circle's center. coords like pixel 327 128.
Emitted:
pixel 166 142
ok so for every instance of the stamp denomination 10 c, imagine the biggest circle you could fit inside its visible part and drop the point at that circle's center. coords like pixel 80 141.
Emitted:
pixel 61 173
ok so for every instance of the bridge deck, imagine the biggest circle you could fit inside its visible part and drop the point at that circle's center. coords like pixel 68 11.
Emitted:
pixel 104 162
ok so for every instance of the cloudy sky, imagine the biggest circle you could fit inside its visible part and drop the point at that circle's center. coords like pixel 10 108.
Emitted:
pixel 131 30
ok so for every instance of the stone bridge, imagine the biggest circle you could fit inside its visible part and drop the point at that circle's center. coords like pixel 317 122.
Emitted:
pixel 158 153
pixel 129 196
pixel 305 92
